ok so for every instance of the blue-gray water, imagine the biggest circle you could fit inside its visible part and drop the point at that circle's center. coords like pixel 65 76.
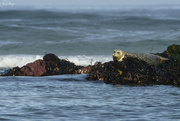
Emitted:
pixel 69 97
pixel 84 36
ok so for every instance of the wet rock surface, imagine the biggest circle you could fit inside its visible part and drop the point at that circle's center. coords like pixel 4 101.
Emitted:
pixel 131 71
pixel 50 65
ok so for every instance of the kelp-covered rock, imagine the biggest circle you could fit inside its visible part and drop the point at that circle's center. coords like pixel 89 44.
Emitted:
pixel 97 72
pixel 135 71
pixel 174 51
pixel 50 65
pixel 168 73
pixel 83 70
pixel 129 71
pixel 56 66
pixel 51 57
pixel 132 71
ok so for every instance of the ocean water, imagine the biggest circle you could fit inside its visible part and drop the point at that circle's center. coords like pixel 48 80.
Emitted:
pixel 84 36
pixel 71 97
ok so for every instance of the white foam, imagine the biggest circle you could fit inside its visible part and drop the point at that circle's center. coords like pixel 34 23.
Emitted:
pixel 9 61
pixel 87 60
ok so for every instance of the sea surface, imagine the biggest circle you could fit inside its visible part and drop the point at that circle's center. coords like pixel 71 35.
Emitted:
pixel 84 36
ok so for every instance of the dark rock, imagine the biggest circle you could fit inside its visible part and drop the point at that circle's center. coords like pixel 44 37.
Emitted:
pixel 37 68
pixel 50 65
pixel 96 72
pixel 56 66
pixel 83 70
pixel 51 57
pixel 167 73
pixel 131 71
pixel 174 52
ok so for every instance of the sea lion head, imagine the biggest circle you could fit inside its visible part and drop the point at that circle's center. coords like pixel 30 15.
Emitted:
pixel 118 55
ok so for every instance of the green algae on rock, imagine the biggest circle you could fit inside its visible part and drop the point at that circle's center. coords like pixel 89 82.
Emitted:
pixel 174 51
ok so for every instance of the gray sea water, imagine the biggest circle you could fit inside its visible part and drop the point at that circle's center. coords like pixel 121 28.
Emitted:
pixel 71 97
pixel 84 36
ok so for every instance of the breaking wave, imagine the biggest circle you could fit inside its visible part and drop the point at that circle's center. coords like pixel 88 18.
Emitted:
pixel 9 61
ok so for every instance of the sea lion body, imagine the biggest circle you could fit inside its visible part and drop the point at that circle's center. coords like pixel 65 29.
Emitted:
pixel 151 59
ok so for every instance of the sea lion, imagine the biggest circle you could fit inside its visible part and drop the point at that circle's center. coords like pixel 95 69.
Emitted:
pixel 151 59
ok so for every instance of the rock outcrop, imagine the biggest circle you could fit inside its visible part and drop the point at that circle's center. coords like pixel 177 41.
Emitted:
pixel 133 71
pixel 50 65
pixel 129 71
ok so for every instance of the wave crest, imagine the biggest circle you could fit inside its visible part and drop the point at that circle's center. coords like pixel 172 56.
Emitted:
pixel 9 61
